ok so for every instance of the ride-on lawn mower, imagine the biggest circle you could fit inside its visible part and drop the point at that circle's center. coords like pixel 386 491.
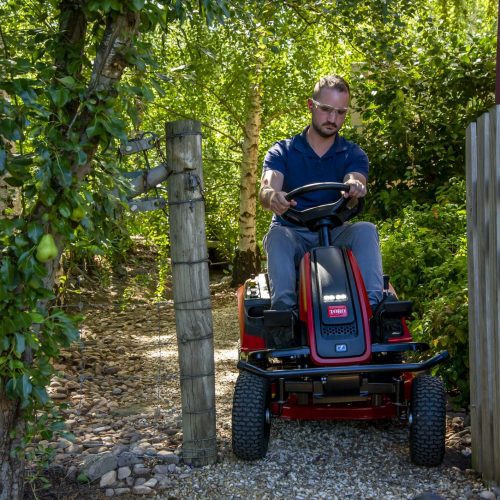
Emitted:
pixel 345 362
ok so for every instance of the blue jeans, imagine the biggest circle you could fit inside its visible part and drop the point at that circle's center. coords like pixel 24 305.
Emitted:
pixel 285 246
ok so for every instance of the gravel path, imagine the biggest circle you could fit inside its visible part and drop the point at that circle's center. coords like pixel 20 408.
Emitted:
pixel 128 434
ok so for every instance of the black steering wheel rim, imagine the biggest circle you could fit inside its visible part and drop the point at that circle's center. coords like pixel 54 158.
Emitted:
pixel 332 214
pixel 318 186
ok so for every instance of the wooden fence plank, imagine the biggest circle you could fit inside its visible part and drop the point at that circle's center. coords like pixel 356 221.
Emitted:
pixel 494 207
pixel 474 299
pixel 485 331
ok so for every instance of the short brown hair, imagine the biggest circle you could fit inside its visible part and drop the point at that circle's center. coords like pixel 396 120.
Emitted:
pixel 331 82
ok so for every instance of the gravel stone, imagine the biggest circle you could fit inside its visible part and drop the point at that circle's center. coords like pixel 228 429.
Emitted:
pixel 124 472
pixel 128 459
pixel 108 479
pixel 487 495
pixel 168 457
pixel 151 483
pixel 142 490
pixel 95 466
pixel 122 491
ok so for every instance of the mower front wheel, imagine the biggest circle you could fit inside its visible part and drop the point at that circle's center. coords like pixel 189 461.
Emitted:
pixel 251 417
pixel 427 421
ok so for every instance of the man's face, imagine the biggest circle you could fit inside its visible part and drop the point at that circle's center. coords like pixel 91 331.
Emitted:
pixel 328 123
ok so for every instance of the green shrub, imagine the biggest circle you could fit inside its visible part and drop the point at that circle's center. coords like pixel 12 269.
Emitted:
pixel 425 253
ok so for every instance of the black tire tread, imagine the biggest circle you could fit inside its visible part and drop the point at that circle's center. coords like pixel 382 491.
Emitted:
pixel 428 428
pixel 250 438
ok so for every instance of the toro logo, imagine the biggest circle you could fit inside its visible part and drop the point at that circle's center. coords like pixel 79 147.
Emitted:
pixel 337 311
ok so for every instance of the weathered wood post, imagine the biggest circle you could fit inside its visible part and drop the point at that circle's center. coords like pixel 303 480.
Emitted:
pixel 193 313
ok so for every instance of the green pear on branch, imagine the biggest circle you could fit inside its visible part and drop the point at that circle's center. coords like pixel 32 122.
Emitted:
pixel 46 249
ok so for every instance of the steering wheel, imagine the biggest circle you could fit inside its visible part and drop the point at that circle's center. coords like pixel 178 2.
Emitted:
pixel 330 214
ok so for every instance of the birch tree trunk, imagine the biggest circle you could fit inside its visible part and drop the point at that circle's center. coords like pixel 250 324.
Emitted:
pixel 247 259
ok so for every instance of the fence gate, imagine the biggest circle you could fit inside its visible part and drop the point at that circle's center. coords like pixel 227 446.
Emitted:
pixel 483 234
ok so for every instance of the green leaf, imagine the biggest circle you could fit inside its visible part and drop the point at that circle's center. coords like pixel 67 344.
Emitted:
pixel 59 96
pixel 37 317
pixel 21 241
pixel 13 181
pixel 25 387
pixel 64 210
pixel 82 478
pixel 7 326
pixel 82 157
pixel 3 156
pixel 35 231
pixel 147 93
pixel 4 342
pixel 138 4
pixel 41 395
pixel 67 81
pixel 10 388
pixel 20 343
pixel 95 129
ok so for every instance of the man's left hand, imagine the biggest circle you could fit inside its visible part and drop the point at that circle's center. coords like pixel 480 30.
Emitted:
pixel 357 188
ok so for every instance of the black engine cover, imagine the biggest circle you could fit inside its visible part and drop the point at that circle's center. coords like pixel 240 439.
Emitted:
pixel 338 321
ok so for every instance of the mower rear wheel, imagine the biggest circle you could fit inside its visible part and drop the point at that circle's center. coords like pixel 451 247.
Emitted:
pixel 251 417
pixel 427 421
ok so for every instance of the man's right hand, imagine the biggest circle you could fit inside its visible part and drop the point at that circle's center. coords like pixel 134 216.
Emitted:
pixel 271 195
pixel 279 204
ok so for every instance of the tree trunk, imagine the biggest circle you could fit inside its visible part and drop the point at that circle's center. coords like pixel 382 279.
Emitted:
pixel 11 466
pixel 247 259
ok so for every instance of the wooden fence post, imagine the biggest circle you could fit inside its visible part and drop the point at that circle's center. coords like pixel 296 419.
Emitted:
pixel 193 312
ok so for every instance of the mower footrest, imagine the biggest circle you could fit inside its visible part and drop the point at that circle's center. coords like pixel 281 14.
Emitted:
pixel 396 309
pixel 277 318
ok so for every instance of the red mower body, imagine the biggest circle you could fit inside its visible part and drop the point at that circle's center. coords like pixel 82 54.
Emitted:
pixel 313 404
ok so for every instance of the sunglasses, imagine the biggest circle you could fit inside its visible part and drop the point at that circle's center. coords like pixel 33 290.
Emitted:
pixel 325 108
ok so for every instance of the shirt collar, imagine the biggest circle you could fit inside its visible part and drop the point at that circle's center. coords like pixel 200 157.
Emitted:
pixel 300 143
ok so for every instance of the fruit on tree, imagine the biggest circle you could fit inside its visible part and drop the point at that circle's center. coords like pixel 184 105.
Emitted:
pixel 46 249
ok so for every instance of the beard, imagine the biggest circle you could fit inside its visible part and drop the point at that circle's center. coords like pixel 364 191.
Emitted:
pixel 323 132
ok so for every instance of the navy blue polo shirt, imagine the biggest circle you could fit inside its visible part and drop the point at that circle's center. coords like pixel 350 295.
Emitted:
pixel 300 165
